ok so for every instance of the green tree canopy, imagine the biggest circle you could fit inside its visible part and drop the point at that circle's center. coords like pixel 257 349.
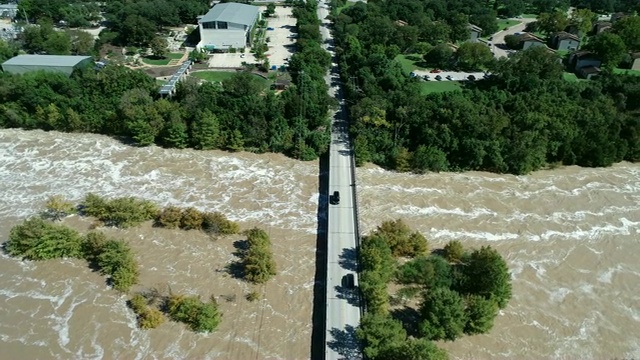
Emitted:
pixel 442 313
pixel 487 275
pixel 480 313
pixel 38 239
pixel 609 47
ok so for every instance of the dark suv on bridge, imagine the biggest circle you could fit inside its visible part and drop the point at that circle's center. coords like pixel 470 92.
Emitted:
pixel 335 198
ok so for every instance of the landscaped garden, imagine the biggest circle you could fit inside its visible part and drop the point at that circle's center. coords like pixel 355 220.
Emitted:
pixel 151 60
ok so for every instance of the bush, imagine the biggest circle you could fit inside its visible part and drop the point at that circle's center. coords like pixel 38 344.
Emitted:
pixel 191 219
pixel 218 224
pixel 442 313
pixel 258 263
pixel 513 42
pixel 38 239
pixel 201 317
pixel 117 261
pixel 148 317
pixel 93 245
pixel 170 217
pixel 454 251
pixel 120 212
pixel 57 208
pixel 401 240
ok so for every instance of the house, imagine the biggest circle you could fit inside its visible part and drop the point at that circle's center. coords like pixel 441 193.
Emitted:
pixel 601 26
pixel 58 63
pixel 565 41
pixel 635 61
pixel 281 85
pixel 529 40
pixel 618 16
pixel 227 26
pixel 474 32
pixel 8 10
pixel 580 59
pixel 588 72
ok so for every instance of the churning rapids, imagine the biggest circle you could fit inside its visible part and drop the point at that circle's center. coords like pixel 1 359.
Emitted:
pixel 570 237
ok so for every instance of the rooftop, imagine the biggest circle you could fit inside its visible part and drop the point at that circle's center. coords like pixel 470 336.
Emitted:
pixel 563 35
pixel 46 60
pixel 474 28
pixel 529 37
pixel 233 13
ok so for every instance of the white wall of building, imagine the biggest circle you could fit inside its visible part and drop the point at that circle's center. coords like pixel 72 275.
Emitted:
pixel 235 36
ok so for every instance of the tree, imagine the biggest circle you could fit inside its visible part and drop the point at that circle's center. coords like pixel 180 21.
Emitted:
pixel 200 316
pixel 205 131
pixel 486 274
pixel 439 56
pixel 174 134
pixel 379 334
pixel 170 217
pixel 453 251
pixel 57 208
pixel 218 224
pixel 136 30
pixel 38 239
pixel 82 43
pixel 583 19
pixel 401 240
pixel 442 313
pixel 416 349
pixel 258 262
pixel 609 47
pixel 191 219
pixel 473 56
pixel 7 50
pixel 513 42
pixel 159 46
pixel 429 158
pixel 628 29
pixel 511 8
pixel 116 260
pixel 550 23
pixel 271 9
pixel 198 55
pixel 480 313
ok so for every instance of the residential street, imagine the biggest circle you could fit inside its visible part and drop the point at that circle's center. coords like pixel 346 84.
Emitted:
pixel 497 43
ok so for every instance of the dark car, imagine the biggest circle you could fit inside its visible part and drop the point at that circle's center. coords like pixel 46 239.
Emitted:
pixel 438 77
pixel 335 198
pixel 348 281
pixel 471 78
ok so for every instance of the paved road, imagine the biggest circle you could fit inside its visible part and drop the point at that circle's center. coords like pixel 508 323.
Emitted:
pixel 343 307
pixel 498 46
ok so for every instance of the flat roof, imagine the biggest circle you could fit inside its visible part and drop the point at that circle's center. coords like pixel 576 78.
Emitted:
pixel 46 60
pixel 232 12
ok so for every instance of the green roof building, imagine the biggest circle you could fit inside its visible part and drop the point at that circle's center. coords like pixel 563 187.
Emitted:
pixel 61 63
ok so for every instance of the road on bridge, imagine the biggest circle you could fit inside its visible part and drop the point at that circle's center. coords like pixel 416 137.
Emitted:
pixel 343 302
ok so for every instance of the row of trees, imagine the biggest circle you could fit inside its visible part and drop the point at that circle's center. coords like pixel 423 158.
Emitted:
pixel 73 13
pixel 461 292
pixel 116 101
pixel 522 119
pixel 39 239
pixel 258 265
pixel 213 223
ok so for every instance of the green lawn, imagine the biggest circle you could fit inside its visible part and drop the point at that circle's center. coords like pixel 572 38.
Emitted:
pixel 503 23
pixel 165 61
pixel 529 16
pixel 219 76
pixel 432 87
pixel 410 62
pixel 570 76
pixel 626 72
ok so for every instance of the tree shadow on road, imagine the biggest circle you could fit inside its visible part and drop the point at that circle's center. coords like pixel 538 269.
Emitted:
pixel 345 343
pixel 349 259
pixel 318 333
pixel 351 295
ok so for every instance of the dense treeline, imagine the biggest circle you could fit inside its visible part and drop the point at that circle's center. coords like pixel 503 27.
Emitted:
pixel 461 293
pixel 239 115
pixel 39 239
pixel 522 119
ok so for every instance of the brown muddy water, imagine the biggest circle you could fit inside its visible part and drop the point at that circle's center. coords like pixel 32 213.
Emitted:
pixel 570 237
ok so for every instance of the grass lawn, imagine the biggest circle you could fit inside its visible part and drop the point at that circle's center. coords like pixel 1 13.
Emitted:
pixel 410 62
pixel 503 23
pixel 432 87
pixel 219 76
pixel 570 76
pixel 626 72
pixel 165 61
pixel 529 16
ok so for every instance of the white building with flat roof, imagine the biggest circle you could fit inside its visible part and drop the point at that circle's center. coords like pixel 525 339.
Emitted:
pixel 227 26
pixel 59 63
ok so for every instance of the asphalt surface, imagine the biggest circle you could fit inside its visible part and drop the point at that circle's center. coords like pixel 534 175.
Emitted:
pixel 343 305
pixel 498 46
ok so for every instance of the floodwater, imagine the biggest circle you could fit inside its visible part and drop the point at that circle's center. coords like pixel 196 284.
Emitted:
pixel 570 237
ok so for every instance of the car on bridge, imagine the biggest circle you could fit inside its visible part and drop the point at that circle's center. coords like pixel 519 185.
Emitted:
pixel 348 281
pixel 335 198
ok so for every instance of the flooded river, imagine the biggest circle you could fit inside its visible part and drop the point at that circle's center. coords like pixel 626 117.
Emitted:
pixel 570 237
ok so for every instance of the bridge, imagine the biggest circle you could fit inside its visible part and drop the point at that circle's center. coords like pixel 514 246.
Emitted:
pixel 343 310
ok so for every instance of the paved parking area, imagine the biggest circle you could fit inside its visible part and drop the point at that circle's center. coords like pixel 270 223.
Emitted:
pixel 283 37
pixel 455 75
pixel 282 40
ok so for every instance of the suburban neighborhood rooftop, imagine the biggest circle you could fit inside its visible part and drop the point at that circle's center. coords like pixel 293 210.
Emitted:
pixel 563 35
pixel 233 13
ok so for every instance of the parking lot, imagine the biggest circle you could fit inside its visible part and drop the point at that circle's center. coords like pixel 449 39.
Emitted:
pixel 455 75
pixel 281 43
pixel 283 37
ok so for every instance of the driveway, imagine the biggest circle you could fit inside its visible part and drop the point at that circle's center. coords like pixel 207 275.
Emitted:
pixel 498 46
